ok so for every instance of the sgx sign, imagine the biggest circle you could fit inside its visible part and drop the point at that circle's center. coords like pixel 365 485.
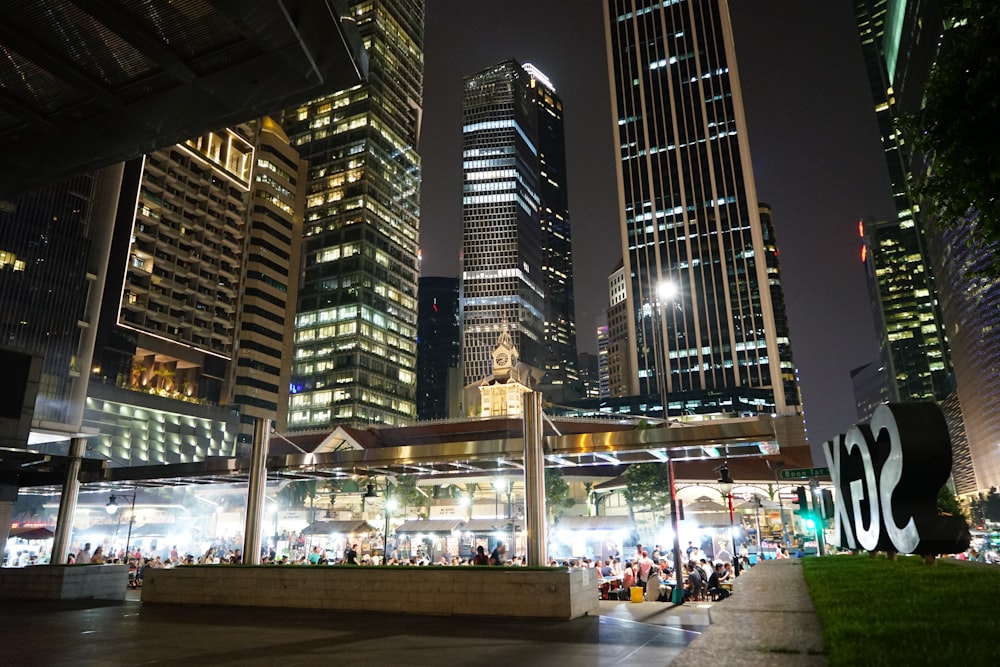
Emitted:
pixel 887 474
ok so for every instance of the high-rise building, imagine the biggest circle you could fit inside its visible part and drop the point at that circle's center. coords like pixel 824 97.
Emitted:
pixel 196 314
pixel 355 331
pixel 704 298
pixel 620 354
pixel 439 354
pixel 517 265
pixel 900 41
pixel 603 371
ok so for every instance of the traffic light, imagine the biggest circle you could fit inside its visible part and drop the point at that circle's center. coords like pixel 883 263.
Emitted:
pixel 828 505
pixel 801 499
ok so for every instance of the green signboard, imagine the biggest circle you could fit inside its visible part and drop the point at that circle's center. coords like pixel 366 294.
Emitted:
pixel 804 473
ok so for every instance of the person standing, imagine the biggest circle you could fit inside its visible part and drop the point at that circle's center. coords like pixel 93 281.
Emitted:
pixel 481 558
pixel 497 557
pixel 645 566
pixel 351 555
pixel 83 556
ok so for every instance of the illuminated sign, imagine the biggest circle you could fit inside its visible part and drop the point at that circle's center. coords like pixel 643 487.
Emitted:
pixel 887 475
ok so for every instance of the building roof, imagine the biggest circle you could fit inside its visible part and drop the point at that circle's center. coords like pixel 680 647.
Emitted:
pixel 84 85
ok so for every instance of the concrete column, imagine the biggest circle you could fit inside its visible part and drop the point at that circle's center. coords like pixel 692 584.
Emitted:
pixel 67 502
pixel 8 494
pixel 255 492
pixel 534 479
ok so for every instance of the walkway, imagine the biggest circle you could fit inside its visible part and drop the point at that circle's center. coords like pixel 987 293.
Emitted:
pixel 768 621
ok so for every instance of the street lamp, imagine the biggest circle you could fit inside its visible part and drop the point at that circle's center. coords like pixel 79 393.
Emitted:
pixel 726 486
pixel 112 505
pixel 390 505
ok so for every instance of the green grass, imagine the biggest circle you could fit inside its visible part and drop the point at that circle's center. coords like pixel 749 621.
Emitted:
pixel 880 612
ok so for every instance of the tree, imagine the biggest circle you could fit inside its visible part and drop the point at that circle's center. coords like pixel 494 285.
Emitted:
pixel 557 497
pixel 647 486
pixel 986 508
pixel 955 133
pixel 948 503
pixel 407 494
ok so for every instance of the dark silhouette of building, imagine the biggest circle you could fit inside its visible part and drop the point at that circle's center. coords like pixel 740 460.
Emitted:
pixel 439 353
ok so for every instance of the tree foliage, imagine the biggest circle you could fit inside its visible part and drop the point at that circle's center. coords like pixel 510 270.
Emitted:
pixel 557 492
pixel 647 486
pixel 407 494
pixel 958 130
pixel 986 507
pixel 948 503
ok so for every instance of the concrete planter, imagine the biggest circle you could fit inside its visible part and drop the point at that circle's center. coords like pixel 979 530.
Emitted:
pixel 556 593
pixel 64 582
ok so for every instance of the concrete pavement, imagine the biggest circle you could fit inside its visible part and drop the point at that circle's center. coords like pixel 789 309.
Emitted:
pixel 767 621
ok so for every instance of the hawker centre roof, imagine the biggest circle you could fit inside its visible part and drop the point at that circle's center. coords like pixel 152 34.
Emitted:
pixel 480 447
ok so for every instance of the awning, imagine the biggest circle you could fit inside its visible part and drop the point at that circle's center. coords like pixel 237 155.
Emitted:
pixel 604 522
pixel 31 533
pixel 491 525
pixel 154 529
pixel 337 528
pixel 437 526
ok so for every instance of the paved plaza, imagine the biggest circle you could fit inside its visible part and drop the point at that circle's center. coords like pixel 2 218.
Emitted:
pixel 132 634
pixel 769 621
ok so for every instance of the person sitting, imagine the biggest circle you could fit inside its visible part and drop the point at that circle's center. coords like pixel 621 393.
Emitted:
pixel 694 582
pixel 98 557
pixel 480 558
pixel 715 588
pixel 653 586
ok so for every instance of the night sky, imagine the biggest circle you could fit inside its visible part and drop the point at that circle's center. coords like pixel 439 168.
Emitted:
pixel 813 137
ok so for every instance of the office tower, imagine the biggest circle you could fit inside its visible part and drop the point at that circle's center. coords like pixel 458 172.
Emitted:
pixel 603 376
pixel 590 379
pixel 516 266
pixel 620 353
pixel 904 301
pixel 899 41
pixel 54 243
pixel 196 321
pixel 265 328
pixel 356 323
pixel 705 306
pixel 439 352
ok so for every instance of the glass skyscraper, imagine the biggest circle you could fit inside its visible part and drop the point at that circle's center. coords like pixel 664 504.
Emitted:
pixel 517 265
pixel 939 320
pixel 716 339
pixel 355 331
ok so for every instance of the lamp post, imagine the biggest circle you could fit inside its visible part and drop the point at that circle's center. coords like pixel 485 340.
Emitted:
pixel 112 508
pixel 390 505
pixel 726 486
pixel 666 291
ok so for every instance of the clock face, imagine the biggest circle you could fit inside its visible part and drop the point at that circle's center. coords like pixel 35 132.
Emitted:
pixel 501 359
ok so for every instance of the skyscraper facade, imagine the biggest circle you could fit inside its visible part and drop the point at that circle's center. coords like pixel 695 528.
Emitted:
pixel 904 293
pixel 516 264
pixel 355 331
pixel 439 344
pixel 194 340
pixel 900 42
pixel 706 308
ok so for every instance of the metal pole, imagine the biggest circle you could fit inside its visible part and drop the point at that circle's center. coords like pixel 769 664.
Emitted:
pixel 732 535
pixel 131 522
pixel 677 597
pixel 255 491
pixel 534 480
pixel 67 502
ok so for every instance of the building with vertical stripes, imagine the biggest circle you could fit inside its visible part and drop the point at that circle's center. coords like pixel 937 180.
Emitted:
pixel 706 323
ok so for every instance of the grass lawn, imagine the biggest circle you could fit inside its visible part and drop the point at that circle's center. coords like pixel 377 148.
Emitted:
pixel 880 612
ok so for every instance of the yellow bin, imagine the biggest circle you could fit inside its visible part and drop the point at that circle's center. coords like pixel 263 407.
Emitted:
pixel 637 593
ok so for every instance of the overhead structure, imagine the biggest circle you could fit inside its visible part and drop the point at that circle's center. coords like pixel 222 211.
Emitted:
pixel 695 449
pixel 87 84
